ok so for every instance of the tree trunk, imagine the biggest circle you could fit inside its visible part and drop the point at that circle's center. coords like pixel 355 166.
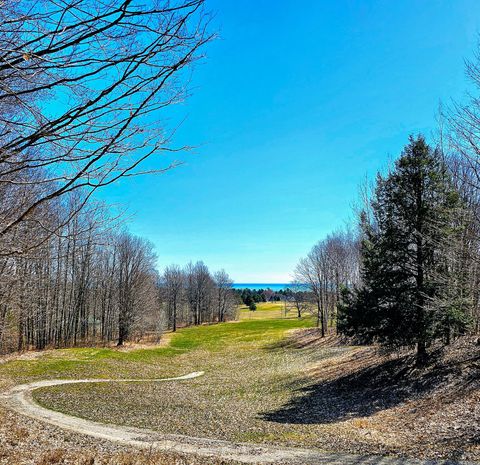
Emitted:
pixel 174 317
pixel 320 319
pixel 421 353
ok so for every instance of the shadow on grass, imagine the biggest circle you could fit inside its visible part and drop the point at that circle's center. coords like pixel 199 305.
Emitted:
pixel 309 338
pixel 375 385
pixel 357 394
pixel 364 383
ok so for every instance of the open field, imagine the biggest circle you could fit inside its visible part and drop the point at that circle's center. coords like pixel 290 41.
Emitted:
pixel 265 310
pixel 269 379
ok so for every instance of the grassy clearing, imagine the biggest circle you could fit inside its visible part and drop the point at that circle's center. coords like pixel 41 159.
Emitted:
pixel 151 362
pixel 265 310
pixel 266 383
pixel 190 349
pixel 247 374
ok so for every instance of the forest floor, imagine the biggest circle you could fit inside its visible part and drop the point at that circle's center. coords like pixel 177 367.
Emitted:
pixel 269 379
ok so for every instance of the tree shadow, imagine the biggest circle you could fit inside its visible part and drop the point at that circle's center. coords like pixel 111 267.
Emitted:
pixel 369 389
pixel 363 382
pixel 309 338
pixel 358 394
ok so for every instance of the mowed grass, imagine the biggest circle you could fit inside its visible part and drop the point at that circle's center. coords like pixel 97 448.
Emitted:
pixel 156 361
pixel 247 373
pixel 265 310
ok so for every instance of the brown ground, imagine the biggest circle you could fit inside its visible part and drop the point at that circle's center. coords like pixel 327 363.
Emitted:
pixel 359 400
pixel 26 441
pixel 433 411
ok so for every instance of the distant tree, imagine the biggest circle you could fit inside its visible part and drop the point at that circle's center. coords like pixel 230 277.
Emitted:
pixel 252 306
pixel 299 297
pixel 268 294
pixel 248 300
pixel 200 292
pixel 410 295
pixel 173 283
pixel 224 295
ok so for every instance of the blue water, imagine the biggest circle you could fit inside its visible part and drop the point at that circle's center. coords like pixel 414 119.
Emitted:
pixel 256 286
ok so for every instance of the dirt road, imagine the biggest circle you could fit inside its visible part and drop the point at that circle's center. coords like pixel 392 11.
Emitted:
pixel 20 399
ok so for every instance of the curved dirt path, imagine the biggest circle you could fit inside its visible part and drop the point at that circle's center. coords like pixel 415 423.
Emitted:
pixel 20 399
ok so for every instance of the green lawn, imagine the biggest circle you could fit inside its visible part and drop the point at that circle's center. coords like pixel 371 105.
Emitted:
pixel 247 373
pixel 153 362
pixel 265 310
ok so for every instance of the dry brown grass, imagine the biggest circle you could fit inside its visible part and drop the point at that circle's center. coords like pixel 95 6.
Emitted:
pixel 306 391
pixel 62 456
pixel 259 387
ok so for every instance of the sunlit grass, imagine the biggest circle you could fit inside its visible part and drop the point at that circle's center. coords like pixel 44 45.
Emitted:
pixel 246 373
pixel 265 310
pixel 155 361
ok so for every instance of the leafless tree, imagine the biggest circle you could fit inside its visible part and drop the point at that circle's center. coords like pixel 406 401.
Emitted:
pixel 331 264
pixel 464 259
pixel 82 88
pixel 173 283
pixel 300 297
pixel 136 267
pixel 460 142
pixel 225 298
pixel 199 292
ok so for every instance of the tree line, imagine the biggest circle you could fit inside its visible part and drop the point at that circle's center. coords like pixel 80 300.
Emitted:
pixel 193 295
pixel 406 274
pixel 83 89
pixel 85 283
pixel 248 296
pixel 94 282
pixel 295 296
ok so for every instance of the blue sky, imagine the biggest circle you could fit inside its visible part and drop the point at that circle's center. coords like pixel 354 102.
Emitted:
pixel 294 104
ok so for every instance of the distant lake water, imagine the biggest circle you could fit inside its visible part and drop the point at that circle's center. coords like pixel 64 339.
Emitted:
pixel 256 286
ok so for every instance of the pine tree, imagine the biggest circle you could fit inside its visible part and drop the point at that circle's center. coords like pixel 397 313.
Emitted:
pixel 410 294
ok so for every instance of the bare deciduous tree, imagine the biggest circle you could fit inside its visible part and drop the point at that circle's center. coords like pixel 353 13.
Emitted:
pixel 82 87
pixel 225 298
pixel 136 268
pixel 300 297
pixel 173 282
pixel 331 264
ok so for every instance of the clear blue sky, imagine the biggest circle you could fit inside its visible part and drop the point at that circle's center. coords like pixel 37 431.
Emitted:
pixel 295 103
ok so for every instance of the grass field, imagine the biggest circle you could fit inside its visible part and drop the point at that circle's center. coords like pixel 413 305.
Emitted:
pixel 266 324
pixel 265 310
pixel 150 362
pixel 269 378
pixel 246 375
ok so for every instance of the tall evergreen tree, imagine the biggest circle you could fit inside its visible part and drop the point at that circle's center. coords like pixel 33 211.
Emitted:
pixel 410 293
